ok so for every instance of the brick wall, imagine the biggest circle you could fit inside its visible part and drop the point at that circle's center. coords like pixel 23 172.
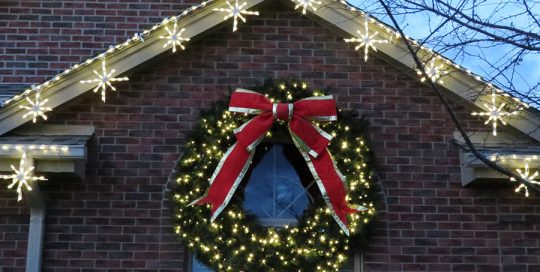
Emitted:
pixel 116 219
pixel 13 230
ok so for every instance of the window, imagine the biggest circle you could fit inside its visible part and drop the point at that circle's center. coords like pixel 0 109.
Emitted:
pixel 274 192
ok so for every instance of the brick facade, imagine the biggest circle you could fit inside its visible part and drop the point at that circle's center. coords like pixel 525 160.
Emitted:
pixel 116 219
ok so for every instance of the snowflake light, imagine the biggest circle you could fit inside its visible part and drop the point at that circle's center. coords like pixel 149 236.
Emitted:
pixel 236 12
pixel 528 176
pixel 174 38
pixel 307 3
pixel 434 72
pixel 366 40
pixel 36 108
pixel 21 177
pixel 495 112
pixel 105 79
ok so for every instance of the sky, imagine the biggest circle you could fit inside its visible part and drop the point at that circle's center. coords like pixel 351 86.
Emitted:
pixel 416 26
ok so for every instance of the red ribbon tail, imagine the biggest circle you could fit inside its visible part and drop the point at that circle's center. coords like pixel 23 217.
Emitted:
pixel 355 210
pixel 331 186
pixel 344 210
pixel 226 178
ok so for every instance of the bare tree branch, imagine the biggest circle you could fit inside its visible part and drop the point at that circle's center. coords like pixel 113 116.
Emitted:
pixel 477 26
pixel 453 116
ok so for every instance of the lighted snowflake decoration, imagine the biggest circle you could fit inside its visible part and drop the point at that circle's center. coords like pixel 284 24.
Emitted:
pixel 174 38
pixel 21 177
pixel 365 40
pixel 495 113
pixel 307 3
pixel 433 71
pixel 105 79
pixel 36 108
pixel 236 12
pixel 528 176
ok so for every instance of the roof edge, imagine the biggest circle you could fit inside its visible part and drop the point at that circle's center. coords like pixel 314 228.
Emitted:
pixel 198 19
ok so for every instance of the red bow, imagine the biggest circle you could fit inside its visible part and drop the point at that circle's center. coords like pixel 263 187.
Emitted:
pixel 308 138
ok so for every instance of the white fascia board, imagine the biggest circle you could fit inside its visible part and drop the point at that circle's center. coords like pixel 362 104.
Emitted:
pixel 506 149
pixel 473 169
pixel 72 160
pixel 468 159
pixel 74 152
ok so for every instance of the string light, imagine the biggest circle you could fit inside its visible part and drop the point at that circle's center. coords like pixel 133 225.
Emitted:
pixel 503 158
pixel 36 108
pixel 366 40
pixel 495 113
pixel 236 12
pixel 21 177
pixel 36 148
pixel 433 71
pixel 140 37
pixel 307 3
pixel 137 38
pixel 527 176
pixel 174 38
pixel 105 79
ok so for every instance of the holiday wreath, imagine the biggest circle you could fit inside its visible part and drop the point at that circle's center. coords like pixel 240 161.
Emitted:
pixel 234 240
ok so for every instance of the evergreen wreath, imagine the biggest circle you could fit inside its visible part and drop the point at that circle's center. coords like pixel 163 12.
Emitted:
pixel 236 241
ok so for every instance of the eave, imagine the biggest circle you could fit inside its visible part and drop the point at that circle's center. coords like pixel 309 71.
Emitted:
pixel 50 148
pixel 507 150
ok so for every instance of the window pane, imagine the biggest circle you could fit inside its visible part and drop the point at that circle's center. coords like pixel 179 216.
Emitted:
pixel 274 189
pixel 196 266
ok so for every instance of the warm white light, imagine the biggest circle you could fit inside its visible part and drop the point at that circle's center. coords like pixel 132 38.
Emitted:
pixel 174 38
pixel 365 40
pixel 138 37
pixel 495 113
pixel 236 12
pixel 36 108
pixel 307 3
pixel 21 177
pixel 105 79
pixel 433 71
pixel 526 175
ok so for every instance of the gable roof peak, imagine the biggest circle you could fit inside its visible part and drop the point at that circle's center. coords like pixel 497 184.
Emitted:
pixel 200 18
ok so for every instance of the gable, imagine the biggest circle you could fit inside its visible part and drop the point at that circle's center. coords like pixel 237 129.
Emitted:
pixel 142 129
pixel 201 19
